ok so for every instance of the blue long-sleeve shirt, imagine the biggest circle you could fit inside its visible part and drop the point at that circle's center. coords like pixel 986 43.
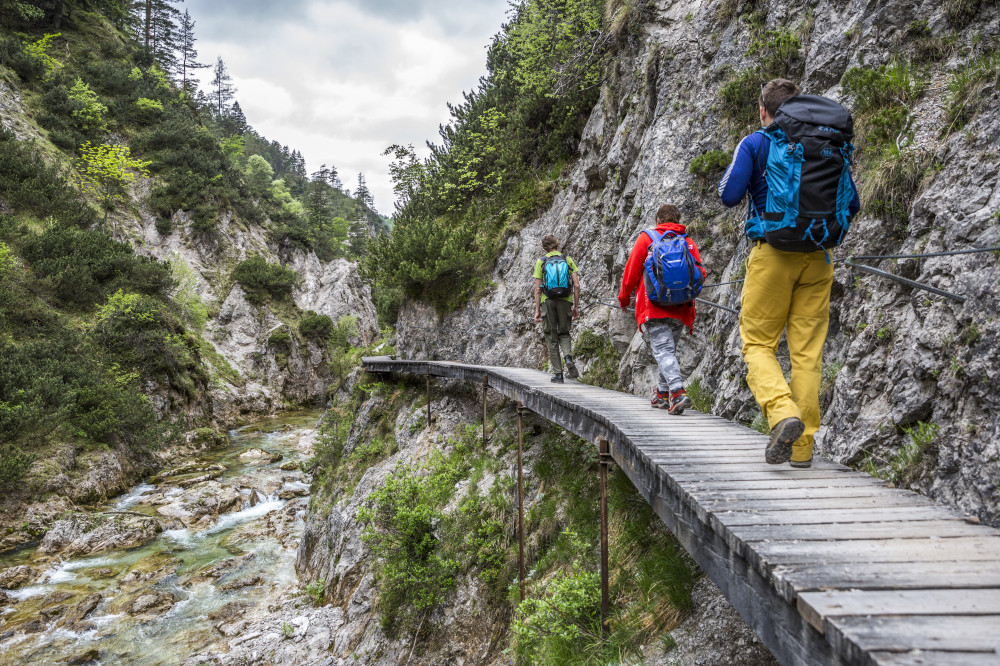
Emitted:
pixel 746 175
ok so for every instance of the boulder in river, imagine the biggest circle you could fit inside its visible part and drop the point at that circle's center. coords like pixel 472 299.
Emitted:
pixel 258 455
pixel 81 610
pixel 17 577
pixel 85 534
pixel 198 506
pixel 152 602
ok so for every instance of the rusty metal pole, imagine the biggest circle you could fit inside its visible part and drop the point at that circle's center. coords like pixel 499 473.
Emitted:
pixel 605 458
pixel 485 386
pixel 520 503
pixel 427 374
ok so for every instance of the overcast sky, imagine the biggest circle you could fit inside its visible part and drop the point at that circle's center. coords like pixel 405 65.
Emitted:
pixel 341 80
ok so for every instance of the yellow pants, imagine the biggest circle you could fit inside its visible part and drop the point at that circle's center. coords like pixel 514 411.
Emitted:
pixel 786 289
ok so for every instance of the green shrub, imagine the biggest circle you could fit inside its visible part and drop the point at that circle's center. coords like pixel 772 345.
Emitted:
pixel 960 13
pixel 13 55
pixel 967 88
pixel 341 334
pixel 776 54
pixel 31 186
pixel 89 112
pixel 891 174
pixel 82 267
pixel 263 281
pixel 315 326
pixel 142 334
pixel 400 529
pixel 701 398
pixel 710 163
pixel 590 346
pixel 280 339
pixel 553 628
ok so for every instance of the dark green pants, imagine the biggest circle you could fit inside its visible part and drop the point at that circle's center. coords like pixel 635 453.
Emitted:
pixel 557 317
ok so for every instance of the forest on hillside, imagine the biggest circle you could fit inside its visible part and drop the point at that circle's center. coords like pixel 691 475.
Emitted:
pixel 107 122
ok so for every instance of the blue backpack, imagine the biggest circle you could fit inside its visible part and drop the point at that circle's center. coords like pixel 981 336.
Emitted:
pixel 555 276
pixel 808 175
pixel 671 274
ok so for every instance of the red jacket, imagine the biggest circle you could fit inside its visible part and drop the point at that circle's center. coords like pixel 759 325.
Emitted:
pixel 644 309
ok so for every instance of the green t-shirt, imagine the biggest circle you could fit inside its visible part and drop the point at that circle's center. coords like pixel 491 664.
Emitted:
pixel 572 269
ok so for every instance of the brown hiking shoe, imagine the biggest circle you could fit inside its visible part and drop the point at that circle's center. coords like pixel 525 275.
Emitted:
pixel 779 449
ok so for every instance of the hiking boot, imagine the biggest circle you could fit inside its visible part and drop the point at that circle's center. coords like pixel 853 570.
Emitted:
pixel 557 378
pixel 571 370
pixel 679 401
pixel 801 464
pixel 783 435
pixel 659 400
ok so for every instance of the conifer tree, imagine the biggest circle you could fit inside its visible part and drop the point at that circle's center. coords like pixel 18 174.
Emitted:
pixel 188 60
pixel 223 89
pixel 239 120
pixel 360 225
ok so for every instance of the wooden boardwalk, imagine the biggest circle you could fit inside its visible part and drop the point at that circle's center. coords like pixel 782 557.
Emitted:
pixel 828 565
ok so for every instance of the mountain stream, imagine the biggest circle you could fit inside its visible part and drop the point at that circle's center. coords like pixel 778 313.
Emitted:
pixel 220 543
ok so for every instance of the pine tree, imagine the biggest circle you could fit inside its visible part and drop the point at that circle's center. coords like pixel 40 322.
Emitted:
pixel 223 89
pixel 188 60
pixel 165 37
pixel 239 120
pixel 360 225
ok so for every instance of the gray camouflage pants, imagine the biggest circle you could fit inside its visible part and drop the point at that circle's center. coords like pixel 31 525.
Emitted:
pixel 661 341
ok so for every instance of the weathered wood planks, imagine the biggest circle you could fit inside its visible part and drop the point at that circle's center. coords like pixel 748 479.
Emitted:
pixel 828 565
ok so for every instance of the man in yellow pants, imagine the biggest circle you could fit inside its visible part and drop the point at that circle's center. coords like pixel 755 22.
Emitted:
pixel 787 289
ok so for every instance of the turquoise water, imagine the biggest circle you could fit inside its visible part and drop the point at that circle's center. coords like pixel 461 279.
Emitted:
pixel 177 566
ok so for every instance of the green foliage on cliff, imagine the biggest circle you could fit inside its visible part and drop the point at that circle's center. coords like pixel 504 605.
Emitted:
pixel 263 281
pixel 890 173
pixel 500 155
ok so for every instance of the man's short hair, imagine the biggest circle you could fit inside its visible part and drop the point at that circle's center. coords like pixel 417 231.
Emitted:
pixel 550 243
pixel 775 92
pixel 668 213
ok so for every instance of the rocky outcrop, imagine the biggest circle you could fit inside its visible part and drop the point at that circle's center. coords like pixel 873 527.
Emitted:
pixel 895 357
pixel 82 534
pixel 17 577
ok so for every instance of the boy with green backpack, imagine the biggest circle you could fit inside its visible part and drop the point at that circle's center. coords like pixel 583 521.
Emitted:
pixel 556 305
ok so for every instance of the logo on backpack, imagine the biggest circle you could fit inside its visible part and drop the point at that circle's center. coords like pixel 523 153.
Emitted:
pixel 808 175
pixel 555 276
pixel 671 274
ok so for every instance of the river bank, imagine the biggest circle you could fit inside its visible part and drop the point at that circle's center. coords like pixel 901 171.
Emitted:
pixel 174 566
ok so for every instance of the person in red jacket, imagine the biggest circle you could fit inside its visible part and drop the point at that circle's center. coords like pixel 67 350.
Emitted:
pixel 661 323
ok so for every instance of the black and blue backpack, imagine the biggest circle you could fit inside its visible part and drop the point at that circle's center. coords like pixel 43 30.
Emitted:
pixel 808 175
pixel 671 274
pixel 555 276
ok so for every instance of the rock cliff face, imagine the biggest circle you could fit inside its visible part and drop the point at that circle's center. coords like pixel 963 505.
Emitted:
pixel 239 330
pixel 895 357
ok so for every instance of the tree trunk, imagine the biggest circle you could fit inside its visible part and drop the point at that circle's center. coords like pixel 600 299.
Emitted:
pixel 149 20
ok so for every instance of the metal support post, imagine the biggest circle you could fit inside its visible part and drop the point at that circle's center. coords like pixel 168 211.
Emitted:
pixel 485 386
pixel 427 374
pixel 605 458
pixel 520 502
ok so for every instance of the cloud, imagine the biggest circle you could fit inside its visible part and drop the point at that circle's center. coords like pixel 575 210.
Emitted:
pixel 342 80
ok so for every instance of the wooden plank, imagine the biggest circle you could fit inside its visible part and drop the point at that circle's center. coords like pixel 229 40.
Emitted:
pixel 957 549
pixel 819 607
pixel 784 483
pixel 756 505
pixel 906 529
pixel 855 636
pixel 778 472
pixel 932 658
pixel 794 579
pixel 791 492
pixel 875 514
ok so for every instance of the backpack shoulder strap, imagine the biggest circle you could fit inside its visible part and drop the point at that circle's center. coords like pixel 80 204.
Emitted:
pixel 654 236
